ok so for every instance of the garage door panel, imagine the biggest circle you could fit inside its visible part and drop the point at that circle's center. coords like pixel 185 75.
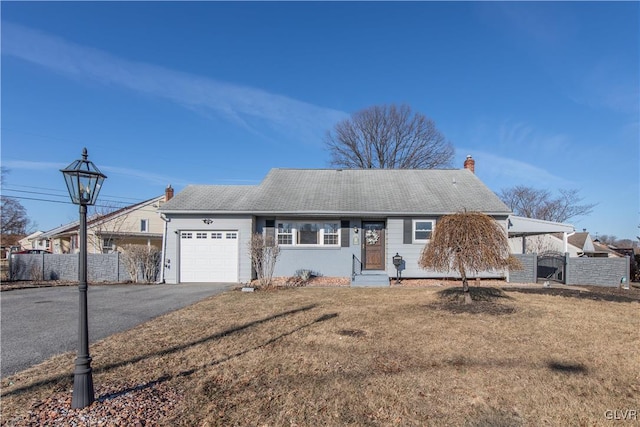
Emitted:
pixel 209 256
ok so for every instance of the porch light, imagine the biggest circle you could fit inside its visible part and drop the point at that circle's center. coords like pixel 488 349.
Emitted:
pixel 84 181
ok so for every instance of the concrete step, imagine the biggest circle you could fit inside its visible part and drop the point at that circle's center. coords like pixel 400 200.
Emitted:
pixel 371 279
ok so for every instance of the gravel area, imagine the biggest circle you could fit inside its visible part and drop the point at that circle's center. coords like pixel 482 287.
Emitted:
pixel 116 405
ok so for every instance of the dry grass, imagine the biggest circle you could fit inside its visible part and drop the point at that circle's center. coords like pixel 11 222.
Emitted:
pixel 342 356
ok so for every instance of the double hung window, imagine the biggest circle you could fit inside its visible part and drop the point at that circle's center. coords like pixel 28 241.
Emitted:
pixel 422 230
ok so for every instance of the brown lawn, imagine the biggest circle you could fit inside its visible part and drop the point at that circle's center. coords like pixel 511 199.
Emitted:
pixel 343 356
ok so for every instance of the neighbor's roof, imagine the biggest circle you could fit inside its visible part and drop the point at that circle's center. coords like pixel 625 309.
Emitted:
pixel 348 191
pixel 72 227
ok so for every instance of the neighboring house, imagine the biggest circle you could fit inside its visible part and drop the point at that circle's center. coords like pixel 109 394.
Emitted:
pixel 332 222
pixel 136 224
pixel 578 244
pixel 34 241
pixel 606 251
pixel 9 243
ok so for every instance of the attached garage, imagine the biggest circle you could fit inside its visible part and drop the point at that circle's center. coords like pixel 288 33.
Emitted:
pixel 209 256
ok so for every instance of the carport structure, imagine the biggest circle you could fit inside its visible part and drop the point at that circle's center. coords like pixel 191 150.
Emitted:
pixel 518 226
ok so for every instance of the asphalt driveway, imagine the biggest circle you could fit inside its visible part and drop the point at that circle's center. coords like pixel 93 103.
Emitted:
pixel 39 323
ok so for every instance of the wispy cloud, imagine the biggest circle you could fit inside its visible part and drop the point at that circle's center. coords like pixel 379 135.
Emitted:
pixel 138 174
pixel 553 36
pixel 152 178
pixel 503 172
pixel 242 105
pixel 28 165
pixel 609 84
pixel 528 140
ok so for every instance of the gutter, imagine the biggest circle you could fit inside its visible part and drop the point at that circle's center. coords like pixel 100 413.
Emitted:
pixel 164 246
pixel 315 213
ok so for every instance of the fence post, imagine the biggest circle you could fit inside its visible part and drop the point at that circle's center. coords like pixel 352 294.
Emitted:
pixel 628 270
pixel 567 259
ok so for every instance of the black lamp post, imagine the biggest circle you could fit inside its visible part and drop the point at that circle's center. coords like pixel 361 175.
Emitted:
pixel 397 261
pixel 83 182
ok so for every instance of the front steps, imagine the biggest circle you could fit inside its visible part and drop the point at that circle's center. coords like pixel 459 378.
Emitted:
pixel 370 278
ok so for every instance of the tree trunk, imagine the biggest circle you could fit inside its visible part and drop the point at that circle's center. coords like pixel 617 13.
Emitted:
pixel 465 284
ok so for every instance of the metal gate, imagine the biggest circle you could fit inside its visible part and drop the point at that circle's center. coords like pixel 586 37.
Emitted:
pixel 551 266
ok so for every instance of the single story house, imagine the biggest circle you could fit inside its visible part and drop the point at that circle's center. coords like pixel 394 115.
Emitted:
pixel 331 221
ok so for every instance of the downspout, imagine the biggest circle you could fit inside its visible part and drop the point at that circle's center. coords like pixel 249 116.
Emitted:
pixel 565 240
pixel 164 246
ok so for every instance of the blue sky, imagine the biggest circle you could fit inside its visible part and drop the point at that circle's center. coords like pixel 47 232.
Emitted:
pixel 543 94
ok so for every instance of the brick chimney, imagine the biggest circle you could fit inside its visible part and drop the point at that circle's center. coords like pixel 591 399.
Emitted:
pixel 168 193
pixel 470 164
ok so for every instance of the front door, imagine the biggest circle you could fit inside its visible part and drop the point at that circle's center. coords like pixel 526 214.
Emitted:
pixel 373 245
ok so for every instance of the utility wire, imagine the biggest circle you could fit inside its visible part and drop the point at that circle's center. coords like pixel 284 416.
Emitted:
pixel 64 192
pixel 70 203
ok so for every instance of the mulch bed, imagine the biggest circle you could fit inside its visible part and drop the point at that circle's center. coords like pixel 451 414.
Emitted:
pixel 596 293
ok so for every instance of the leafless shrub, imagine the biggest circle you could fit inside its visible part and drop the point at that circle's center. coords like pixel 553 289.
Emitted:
pixel 142 262
pixel 264 254
pixel 466 242
pixel 35 272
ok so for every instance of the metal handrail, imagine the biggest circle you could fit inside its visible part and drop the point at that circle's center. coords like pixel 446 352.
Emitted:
pixel 353 266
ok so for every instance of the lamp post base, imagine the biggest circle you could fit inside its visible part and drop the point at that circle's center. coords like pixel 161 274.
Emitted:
pixel 83 394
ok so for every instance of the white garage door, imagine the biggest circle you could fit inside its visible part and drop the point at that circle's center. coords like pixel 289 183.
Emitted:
pixel 209 256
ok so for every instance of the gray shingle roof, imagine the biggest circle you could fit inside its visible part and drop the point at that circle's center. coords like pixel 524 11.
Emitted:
pixel 349 191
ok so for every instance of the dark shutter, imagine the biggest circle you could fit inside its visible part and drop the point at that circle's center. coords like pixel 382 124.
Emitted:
pixel 344 234
pixel 408 230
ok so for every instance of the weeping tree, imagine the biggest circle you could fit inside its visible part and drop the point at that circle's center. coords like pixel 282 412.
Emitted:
pixel 467 242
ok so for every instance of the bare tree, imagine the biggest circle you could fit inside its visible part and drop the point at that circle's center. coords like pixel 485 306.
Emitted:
pixel 264 254
pixel 538 245
pixel 14 219
pixel 388 137
pixel 540 204
pixel 607 239
pixel 467 242
pixel 105 227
